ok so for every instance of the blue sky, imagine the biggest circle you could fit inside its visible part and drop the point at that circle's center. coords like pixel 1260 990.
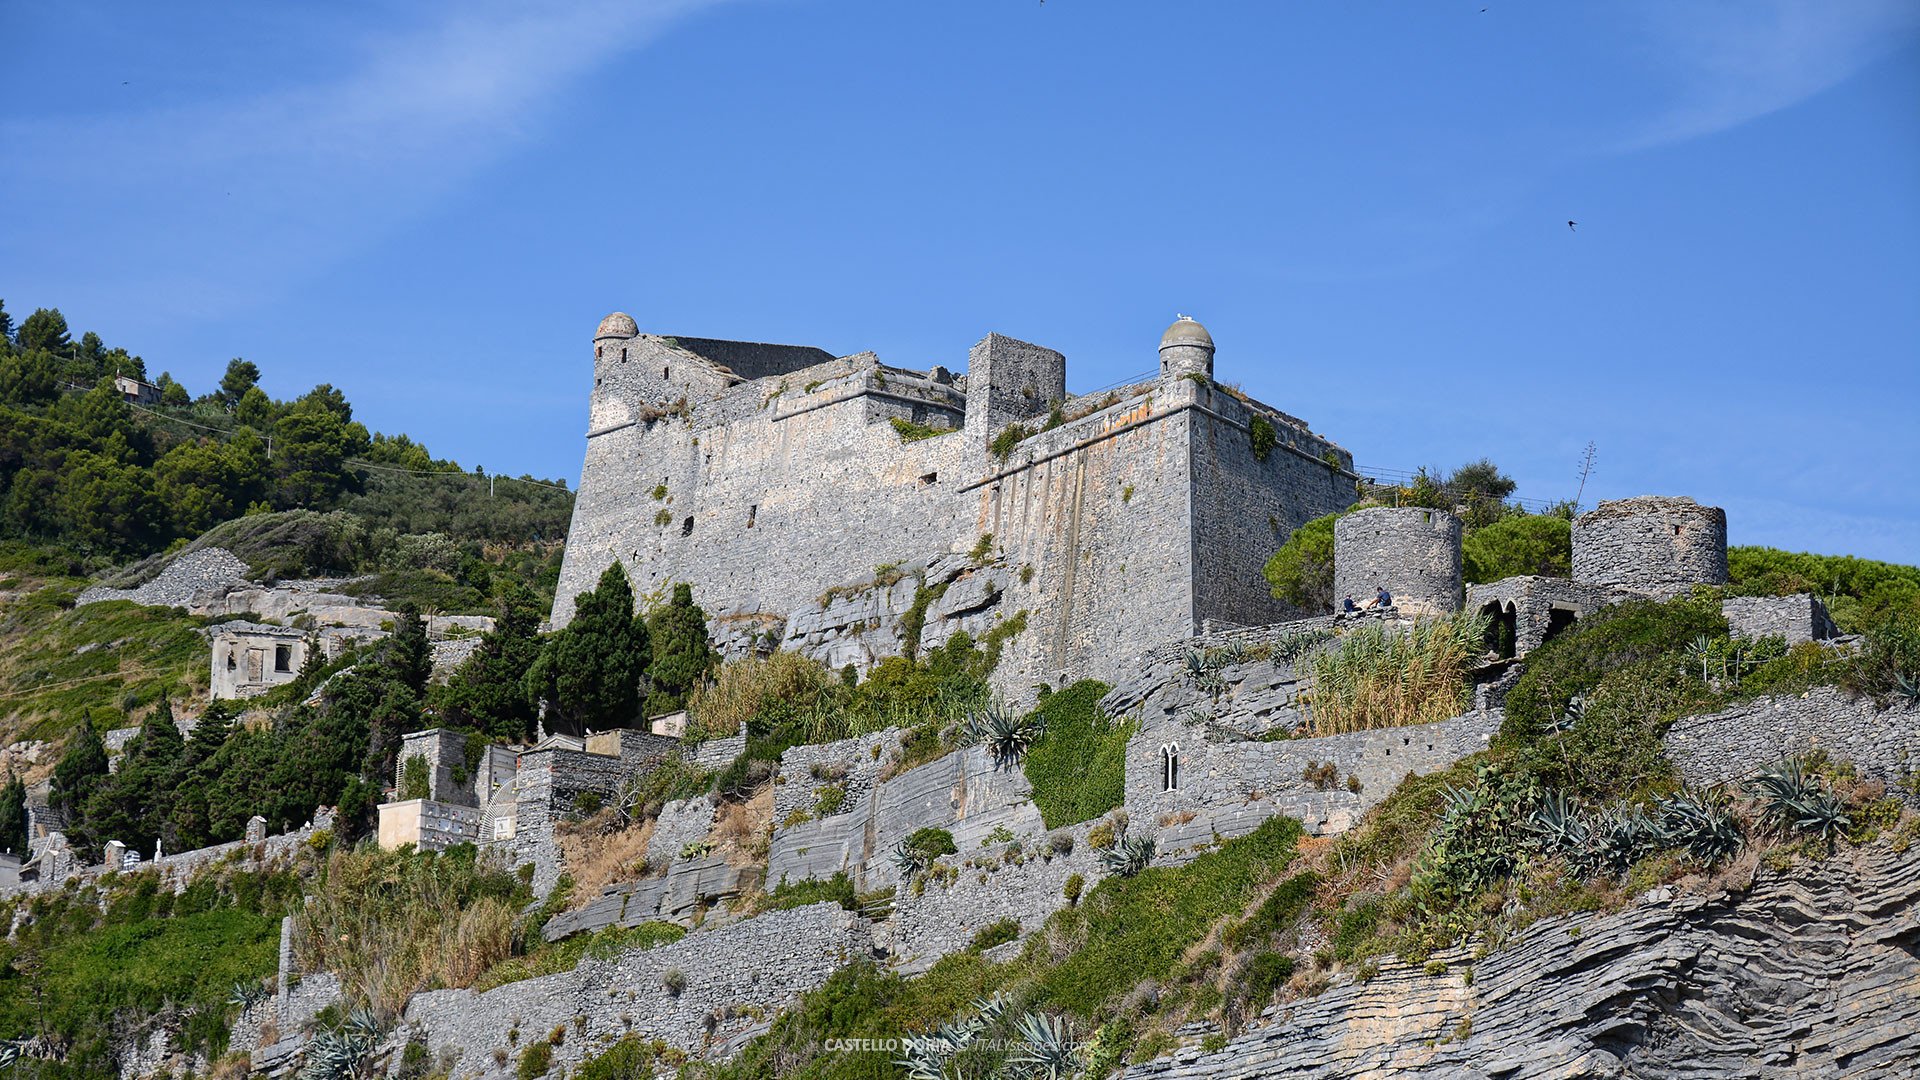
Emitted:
pixel 431 206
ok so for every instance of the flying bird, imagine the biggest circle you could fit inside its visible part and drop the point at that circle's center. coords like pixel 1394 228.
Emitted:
pixel 1570 226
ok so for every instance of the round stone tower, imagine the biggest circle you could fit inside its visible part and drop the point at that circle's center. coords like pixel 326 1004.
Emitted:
pixel 1413 551
pixel 1652 544
pixel 1186 348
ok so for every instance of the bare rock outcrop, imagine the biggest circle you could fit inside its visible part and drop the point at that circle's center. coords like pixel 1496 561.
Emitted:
pixel 1814 971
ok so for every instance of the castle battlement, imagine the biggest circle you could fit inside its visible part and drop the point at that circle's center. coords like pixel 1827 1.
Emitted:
pixel 766 475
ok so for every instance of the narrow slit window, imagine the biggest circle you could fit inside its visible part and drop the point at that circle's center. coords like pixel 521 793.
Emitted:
pixel 753 511
pixel 686 527
pixel 283 658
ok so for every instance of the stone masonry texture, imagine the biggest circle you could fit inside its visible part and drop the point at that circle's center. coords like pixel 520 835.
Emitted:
pixel 1413 552
pixel 1652 544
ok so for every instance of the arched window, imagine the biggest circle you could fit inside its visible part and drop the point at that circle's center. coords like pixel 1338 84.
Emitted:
pixel 1170 767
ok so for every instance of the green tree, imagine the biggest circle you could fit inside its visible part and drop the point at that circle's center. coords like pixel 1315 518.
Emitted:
pixel 107 505
pixel 255 410
pixel 488 692
pixel 28 378
pixel 1519 544
pixel 589 673
pixel 6 328
pixel 13 815
pixel 1479 491
pixel 310 448
pixel 241 376
pixel 682 655
pixel 191 819
pixel 172 394
pixel 45 329
pixel 1301 572
pixel 82 765
pixel 134 804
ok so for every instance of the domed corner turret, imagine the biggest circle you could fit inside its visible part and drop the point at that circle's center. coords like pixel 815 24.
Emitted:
pixel 1186 349
pixel 617 325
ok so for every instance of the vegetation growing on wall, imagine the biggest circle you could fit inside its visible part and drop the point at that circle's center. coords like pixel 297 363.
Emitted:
pixel 1262 436
pixel 1078 765
pixel 913 431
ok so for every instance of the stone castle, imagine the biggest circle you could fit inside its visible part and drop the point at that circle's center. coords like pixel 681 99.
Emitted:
pixel 773 477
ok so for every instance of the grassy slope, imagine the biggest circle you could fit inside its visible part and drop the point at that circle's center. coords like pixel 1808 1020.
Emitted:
pixel 47 681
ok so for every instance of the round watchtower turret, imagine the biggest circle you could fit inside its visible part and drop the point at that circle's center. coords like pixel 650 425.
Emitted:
pixel 617 325
pixel 1186 349
pixel 1652 544
pixel 1412 551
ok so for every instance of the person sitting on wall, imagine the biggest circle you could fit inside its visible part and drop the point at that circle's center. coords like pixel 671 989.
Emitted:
pixel 1384 599
pixel 1347 605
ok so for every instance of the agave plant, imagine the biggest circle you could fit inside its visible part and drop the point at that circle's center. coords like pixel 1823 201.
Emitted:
pixel 1908 687
pixel 907 859
pixel 1793 800
pixel 1047 1049
pixel 1703 825
pixel 338 1053
pixel 1559 826
pixel 1622 837
pixel 247 994
pixel 927 1056
pixel 1129 856
pixel 1007 734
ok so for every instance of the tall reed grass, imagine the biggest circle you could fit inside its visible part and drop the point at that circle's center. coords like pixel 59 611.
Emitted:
pixel 1383 675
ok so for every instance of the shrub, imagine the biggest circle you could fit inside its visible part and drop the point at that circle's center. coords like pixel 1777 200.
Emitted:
pixel 1010 436
pixel 1277 912
pixel 829 799
pixel 1263 976
pixel 1588 712
pixel 997 933
pixel 793 894
pixel 535 1061
pixel 1383 676
pixel 627 1059
pixel 931 843
pixel 413 777
pixel 1518 544
pixel 674 981
pixel 1072 888
pixel 1078 765
pixel 1262 436
pixel 909 431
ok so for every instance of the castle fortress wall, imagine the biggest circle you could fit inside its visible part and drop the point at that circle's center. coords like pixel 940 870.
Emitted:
pixel 1132 524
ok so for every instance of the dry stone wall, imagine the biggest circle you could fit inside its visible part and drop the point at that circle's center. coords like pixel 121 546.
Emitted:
pixel 1652 544
pixel 1725 746
pixel 1797 618
pixel 1412 551
pixel 735 974
pixel 1023 882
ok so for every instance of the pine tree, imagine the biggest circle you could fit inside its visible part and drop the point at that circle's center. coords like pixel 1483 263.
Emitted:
pixel 13 815
pixel 682 655
pixel 589 674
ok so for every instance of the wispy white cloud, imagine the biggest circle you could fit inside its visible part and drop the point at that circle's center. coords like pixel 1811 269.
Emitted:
pixel 211 202
pixel 1738 60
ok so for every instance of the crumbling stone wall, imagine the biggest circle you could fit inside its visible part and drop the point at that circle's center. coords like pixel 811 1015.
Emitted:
pixel 1797 618
pixel 1730 745
pixel 1534 607
pixel 1023 882
pixel 1413 551
pixel 1304 778
pixel 1651 544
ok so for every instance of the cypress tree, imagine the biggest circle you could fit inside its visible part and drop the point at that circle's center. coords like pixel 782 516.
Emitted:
pixel 13 815
pixel 589 674
pixel 682 655
pixel 77 775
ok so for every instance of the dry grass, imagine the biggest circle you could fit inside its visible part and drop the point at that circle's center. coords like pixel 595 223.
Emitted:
pixel 1384 676
pixel 742 831
pixel 597 853
pixel 741 686
pixel 391 924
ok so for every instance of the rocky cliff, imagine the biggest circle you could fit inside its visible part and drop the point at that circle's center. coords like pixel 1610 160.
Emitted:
pixel 1809 971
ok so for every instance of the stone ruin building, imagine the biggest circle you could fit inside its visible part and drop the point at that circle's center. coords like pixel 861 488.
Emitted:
pixel 774 479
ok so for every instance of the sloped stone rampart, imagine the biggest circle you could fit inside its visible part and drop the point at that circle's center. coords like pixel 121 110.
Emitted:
pixel 740 972
pixel 1721 747
pixel 1811 972
pixel 993 883
pixel 192 575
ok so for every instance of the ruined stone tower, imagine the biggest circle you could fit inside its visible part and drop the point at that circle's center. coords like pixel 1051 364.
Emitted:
pixel 1413 551
pixel 1652 544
